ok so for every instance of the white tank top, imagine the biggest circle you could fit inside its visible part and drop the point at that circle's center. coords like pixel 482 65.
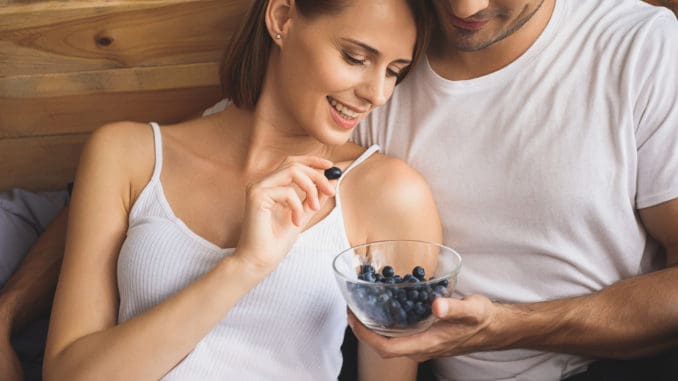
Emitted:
pixel 290 326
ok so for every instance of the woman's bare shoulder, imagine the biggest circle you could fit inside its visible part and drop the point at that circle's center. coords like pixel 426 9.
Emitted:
pixel 391 200
pixel 124 151
pixel 392 178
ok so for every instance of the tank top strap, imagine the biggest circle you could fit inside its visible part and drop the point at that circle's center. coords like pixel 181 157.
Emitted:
pixel 367 153
pixel 157 140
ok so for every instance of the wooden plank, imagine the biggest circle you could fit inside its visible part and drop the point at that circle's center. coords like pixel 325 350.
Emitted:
pixel 39 164
pixel 83 113
pixel 110 81
pixel 72 36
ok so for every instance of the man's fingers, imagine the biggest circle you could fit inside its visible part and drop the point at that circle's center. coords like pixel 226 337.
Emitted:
pixel 470 310
pixel 389 347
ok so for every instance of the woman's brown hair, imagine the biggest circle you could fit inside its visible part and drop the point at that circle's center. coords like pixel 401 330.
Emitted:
pixel 244 66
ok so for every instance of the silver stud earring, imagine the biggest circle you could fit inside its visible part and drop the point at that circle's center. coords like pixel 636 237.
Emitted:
pixel 278 36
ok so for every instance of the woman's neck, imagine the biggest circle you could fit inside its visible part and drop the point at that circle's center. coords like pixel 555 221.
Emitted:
pixel 259 140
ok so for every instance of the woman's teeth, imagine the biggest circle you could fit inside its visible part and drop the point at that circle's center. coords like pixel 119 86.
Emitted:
pixel 345 112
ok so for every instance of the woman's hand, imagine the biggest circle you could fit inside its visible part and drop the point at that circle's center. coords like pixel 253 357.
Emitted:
pixel 279 206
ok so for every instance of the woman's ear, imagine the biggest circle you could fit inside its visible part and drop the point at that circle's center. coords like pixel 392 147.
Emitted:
pixel 279 18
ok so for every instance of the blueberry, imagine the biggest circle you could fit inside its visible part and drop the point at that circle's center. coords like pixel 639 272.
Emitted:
pixel 419 272
pixel 400 306
pixel 440 290
pixel 401 295
pixel 371 300
pixel 360 294
pixel 383 298
pixel 419 309
pixel 388 280
pixel 366 269
pixel 332 173
pixel 388 271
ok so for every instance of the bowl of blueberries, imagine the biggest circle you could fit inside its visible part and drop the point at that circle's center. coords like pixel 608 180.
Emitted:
pixel 390 285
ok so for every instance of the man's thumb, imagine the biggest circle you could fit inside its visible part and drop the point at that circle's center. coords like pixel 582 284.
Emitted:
pixel 441 307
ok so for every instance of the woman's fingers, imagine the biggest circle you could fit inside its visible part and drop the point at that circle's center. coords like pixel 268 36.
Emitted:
pixel 309 181
pixel 270 198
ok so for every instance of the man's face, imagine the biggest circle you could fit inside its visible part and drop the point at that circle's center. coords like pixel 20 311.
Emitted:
pixel 472 25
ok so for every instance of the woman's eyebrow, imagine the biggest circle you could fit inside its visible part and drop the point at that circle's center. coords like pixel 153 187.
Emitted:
pixel 374 51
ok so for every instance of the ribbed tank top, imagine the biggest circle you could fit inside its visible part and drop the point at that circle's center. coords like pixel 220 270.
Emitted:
pixel 289 327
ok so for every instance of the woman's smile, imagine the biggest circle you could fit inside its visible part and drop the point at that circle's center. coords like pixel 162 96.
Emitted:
pixel 345 116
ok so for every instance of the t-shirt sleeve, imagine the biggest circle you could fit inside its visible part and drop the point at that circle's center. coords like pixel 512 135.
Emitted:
pixel 362 135
pixel 656 112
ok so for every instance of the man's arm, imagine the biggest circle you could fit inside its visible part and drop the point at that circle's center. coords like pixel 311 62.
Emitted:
pixel 28 292
pixel 631 318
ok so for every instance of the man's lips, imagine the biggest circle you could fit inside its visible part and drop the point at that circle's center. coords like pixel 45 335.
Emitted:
pixel 467 24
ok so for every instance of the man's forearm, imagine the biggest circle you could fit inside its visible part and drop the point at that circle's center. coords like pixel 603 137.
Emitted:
pixel 632 318
pixel 29 292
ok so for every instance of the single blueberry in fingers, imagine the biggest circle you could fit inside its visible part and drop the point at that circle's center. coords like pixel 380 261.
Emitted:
pixel 332 173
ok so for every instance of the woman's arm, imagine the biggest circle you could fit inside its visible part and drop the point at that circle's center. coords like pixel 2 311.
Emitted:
pixel 84 340
pixel 387 199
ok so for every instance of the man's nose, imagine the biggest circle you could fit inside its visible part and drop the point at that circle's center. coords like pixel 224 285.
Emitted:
pixel 466 8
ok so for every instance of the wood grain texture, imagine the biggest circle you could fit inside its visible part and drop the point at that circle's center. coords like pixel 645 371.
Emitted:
pixel 45 163
pixel 79 102
pixel 72 36
pixel 68 67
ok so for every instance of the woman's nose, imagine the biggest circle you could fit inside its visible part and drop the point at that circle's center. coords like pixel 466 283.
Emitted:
pixel 375 90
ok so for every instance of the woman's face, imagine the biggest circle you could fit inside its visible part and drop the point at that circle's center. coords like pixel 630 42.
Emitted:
pixel 334 69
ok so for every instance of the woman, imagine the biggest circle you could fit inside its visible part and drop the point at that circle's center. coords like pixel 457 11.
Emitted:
pixel 203 250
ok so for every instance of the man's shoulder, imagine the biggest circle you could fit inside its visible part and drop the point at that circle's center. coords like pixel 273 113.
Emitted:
pixel 618 16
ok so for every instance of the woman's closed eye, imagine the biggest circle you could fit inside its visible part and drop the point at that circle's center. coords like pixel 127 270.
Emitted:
pixel 394 72
pixel 352 59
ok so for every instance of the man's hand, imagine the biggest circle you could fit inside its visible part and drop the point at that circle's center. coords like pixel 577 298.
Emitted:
pixel 464 327
pixel 631 318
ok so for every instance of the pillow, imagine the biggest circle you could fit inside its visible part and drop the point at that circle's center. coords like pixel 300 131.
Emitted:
pixel 24 216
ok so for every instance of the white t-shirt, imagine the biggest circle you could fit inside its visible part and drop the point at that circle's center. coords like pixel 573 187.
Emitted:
pixel 538 169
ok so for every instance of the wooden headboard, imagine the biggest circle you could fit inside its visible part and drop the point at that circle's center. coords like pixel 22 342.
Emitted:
pixel 67 67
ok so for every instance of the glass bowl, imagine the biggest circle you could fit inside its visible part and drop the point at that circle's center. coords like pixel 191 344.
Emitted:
pixel 390 285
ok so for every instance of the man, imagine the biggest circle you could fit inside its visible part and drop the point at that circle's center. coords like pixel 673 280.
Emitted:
pixel 548 132
pixel 32 234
